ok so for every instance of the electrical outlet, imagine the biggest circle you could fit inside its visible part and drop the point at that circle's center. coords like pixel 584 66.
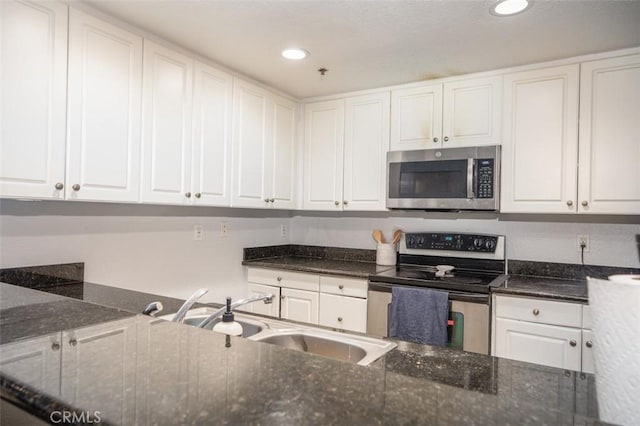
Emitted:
pixel 197 232
pixel 224 229
pixel 583 240
pixel 283 231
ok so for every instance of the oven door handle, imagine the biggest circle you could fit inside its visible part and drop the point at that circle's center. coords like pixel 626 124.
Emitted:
pixel 470 297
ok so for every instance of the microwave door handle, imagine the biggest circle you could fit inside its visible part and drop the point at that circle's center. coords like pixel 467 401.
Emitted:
pixel 470 179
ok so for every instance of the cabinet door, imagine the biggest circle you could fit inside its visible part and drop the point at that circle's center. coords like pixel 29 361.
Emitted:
pixel 33 93
pixel 269 309
pixel 471 112
pixel 105 83
pixel 323 165
pixel 416 118
pixel 166 139
pixel 250 144
pixel 540 141
pixel 342 312
pixel 588 365
pixel 299 305
pixel 112 346
pixel 538 343
pixel 283 167
pixel 609 180
pixel 366 143
pixel 212 156
pixel 35 362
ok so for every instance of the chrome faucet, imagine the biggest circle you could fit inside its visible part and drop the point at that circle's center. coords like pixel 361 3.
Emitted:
pixel 268 298
pixel 182 312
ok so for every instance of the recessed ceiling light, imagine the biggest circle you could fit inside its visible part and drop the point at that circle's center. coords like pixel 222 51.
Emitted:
pixel 295 54
pixel 509 7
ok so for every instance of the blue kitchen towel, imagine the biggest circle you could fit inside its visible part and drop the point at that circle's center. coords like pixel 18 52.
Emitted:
pixel 419 315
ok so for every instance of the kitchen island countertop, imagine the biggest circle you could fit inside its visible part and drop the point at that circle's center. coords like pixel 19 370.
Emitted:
pixel 180 373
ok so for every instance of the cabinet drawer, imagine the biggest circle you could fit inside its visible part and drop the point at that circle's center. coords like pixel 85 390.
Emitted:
pixel 540 311
pixel 299 280
pixel 344 286
pixel 347 313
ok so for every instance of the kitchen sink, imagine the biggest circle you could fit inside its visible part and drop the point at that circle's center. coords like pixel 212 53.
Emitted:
pixel 356 349
pixel 194 317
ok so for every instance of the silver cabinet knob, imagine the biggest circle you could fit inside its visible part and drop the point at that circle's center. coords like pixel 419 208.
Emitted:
pixel 345 202
pixel 282 297
pixel 585 203
pixel 73 342
pixel 589 344
pixel 279 279
pixel 187 194
pixel 198 195
pixel 435 140
pixel 446 138
pixel 536 311
pixel 59 186
pixel 76 187
pixel 271 200
pixel 341 286
pixel 570 203
pixel 337 203
pixel 55 346
pixel 339 319
pixel 572 342
pixel 266 200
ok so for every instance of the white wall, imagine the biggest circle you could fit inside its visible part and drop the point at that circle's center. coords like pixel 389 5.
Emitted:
pixel 144 248
pixel 550 238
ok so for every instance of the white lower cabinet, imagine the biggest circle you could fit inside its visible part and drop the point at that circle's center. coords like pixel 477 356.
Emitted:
pixel 542 332
pixel 269 309
pixel 348 313
pixel 538 343
pixel 332 301
pixel 299 305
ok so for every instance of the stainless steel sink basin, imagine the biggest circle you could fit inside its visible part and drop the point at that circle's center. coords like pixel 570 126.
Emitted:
pixel 357 349
pixel 194 317
pixel 305 342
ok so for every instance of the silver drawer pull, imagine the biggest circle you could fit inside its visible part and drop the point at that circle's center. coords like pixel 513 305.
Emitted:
pixel 572 342
pixel 341 286
pixel 589 344
pixel 536 311
pixel 279 279
pixel 339 319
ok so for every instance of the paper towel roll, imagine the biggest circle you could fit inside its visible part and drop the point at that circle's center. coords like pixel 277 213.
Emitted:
pixel 615 312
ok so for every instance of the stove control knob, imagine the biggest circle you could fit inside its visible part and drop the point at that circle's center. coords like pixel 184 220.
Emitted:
pixel 477 242
pixel 490 244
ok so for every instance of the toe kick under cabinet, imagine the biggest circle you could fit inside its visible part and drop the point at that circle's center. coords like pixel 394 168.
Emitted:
pixel 328 300
pixel 544 332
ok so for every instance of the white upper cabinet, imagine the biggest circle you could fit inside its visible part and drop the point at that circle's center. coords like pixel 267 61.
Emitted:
pixel 346 142
pixel 609 179
pixel 167 108
pixel 282 183
pixel 212 114
pixel 416 117
pixel 323 152
pixel 33 93
pixel 540 141
pixel 252 131
pixel 104 107
pixel 366 142
pixel 454 114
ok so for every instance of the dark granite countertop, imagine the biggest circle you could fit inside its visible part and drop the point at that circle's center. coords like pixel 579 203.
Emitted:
pixel 137 369
pixel 322 260
pixel 544 287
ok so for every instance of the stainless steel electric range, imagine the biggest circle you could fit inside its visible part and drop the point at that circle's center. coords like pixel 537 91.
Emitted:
pixel 466 266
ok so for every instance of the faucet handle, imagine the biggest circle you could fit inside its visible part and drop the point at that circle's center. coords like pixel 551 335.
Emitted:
pixel 153 308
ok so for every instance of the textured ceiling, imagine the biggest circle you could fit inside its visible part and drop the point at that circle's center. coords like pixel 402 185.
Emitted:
pixel 368 44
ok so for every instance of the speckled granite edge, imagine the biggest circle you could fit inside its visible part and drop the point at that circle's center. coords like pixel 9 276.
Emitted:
pixel 568 271
pixel 43 276
pixel 316 252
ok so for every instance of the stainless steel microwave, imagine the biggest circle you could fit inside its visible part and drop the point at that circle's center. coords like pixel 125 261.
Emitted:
pixel 444 179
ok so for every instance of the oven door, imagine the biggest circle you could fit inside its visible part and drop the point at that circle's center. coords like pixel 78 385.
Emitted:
pixel 468 325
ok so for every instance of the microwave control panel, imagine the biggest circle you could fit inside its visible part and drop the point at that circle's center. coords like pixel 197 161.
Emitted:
pixel 484 178
pixel 456 242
